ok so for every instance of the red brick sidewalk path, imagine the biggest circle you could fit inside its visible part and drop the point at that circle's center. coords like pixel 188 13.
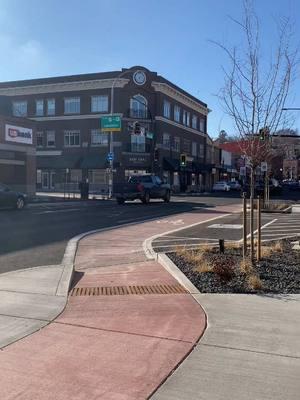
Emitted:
pixel 108 347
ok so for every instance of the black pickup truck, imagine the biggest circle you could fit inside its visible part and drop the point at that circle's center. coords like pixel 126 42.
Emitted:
pixel 143 187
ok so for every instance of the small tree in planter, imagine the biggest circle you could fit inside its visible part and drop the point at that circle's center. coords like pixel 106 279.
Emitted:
pixel 255 90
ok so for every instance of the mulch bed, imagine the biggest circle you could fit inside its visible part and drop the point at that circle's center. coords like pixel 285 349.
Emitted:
pixel 278 273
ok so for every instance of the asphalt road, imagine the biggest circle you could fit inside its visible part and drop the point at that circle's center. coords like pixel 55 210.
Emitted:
pixel 38 235
pixel 229 228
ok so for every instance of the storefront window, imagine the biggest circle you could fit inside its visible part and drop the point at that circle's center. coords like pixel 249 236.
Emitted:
pixel 138 143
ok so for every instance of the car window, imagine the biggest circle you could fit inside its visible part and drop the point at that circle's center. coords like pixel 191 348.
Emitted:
pixel 146 179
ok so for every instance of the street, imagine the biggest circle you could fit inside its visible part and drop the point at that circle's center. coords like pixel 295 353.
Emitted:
pixel 38 235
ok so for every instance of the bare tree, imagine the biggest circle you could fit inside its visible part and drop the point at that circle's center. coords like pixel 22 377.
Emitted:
pixel 255 89
pixel 255 92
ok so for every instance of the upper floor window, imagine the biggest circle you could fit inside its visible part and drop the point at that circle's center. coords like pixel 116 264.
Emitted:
pixel 39 139
pixel 138 143
pixel 202 125
pixel 166 140
pixel 186 146
pixel 19 108
pixel 138 107
pixel 188 116
pixel 99 104
pixel 167 109
pixel 177 113
pixel 176 144
pixel 184 115
pixel 98 137
pixel 39 107
pixel 194 121
pixel 194 149
pixel 201 150
pixel 72 138
pixel 50 136
pixel 72 105
pixel 50 106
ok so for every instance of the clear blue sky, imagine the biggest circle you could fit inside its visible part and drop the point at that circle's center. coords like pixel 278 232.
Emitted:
pixel 64 37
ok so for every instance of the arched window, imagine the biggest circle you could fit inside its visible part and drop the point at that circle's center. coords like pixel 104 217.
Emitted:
pixel 138 106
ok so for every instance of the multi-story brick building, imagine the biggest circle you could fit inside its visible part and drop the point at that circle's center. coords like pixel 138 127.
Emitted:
pixel 17 150
pixel 160 121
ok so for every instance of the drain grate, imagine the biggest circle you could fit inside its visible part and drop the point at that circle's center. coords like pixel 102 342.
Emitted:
pixel 127 290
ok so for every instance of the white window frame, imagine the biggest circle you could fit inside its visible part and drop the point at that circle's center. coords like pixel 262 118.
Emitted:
pixel 194 149
pixel 50 134
pixel 176 144
pixel 177 113
pixel 69 134
pixel 49 110
pixel 39 111
pixel 184 115
pixel 40 134
pixel 99 103
pixel 138 144
pixel 194 121
pixel 68 100
pixel 188 118
pixel 102 136
pixel 166 141
pixel 201 150
pixel 138 107
pixel 17 111
pixel 167 109
pixel 202 125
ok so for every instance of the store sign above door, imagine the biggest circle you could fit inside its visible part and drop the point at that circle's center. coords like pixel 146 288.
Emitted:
pixel 111 123
pixel 18 134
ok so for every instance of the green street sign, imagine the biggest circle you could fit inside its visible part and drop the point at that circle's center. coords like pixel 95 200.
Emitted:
pixel 149 135
pixel 111 123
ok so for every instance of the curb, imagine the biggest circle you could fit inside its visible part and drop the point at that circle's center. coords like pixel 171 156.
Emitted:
pixel 147 244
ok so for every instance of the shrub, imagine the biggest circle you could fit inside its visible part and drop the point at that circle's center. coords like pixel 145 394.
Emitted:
pixel 223 266
pixel 246 266
pixel 254 282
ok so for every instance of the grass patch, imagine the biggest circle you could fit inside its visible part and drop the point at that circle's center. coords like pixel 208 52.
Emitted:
pixel 246 266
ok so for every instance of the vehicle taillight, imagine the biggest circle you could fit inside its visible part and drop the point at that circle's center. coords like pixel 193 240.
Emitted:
pixel 140 187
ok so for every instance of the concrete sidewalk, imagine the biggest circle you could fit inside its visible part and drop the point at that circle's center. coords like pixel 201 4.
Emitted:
pixel 250 350
pixel 108 345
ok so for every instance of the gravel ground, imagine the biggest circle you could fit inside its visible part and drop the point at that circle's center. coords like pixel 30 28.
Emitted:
pixel 278 273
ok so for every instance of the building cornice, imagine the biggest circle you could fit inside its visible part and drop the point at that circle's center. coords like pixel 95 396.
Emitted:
pixel 180 97
pixel 72 116
pixel 183 127
pixel 64 87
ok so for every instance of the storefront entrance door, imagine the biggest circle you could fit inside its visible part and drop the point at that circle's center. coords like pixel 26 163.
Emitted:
pixel 45 180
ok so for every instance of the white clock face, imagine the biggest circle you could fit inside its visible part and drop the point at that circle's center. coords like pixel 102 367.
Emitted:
pixel 139 77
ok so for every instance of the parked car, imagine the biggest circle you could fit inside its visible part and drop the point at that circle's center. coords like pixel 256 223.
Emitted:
pixel 11 199
pixel 259 189
pixel 235 185
pixel 144 188
pixel 221 186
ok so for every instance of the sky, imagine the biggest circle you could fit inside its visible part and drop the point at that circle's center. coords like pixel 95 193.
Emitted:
pixel 172 37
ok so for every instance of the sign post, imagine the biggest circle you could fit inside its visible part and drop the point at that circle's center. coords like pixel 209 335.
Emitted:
pixel 111 123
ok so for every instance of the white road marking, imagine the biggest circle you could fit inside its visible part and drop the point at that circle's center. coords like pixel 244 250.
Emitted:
pixel 226 226
pixel 58 211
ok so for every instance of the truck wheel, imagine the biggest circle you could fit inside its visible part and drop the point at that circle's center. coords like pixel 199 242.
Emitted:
pixel 120 201
pixel 167 197
pixel 146 198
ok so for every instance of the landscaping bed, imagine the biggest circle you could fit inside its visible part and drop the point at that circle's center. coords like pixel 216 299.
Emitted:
pixel 212 272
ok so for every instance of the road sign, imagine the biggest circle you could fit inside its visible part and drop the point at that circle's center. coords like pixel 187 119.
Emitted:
pixel 110 156
pixel 264 166
pixel 149 135
pixel 111 123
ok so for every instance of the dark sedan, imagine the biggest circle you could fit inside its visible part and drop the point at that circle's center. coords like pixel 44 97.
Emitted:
pixel 11 199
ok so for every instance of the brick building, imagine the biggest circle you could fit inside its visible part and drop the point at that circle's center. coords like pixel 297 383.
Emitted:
pixel 17 151
pixel 72 147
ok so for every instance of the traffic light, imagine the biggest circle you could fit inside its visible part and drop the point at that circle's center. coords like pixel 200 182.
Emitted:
pixel 182 160
pixel 262 134
pixel 137 128
pixel 156 155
